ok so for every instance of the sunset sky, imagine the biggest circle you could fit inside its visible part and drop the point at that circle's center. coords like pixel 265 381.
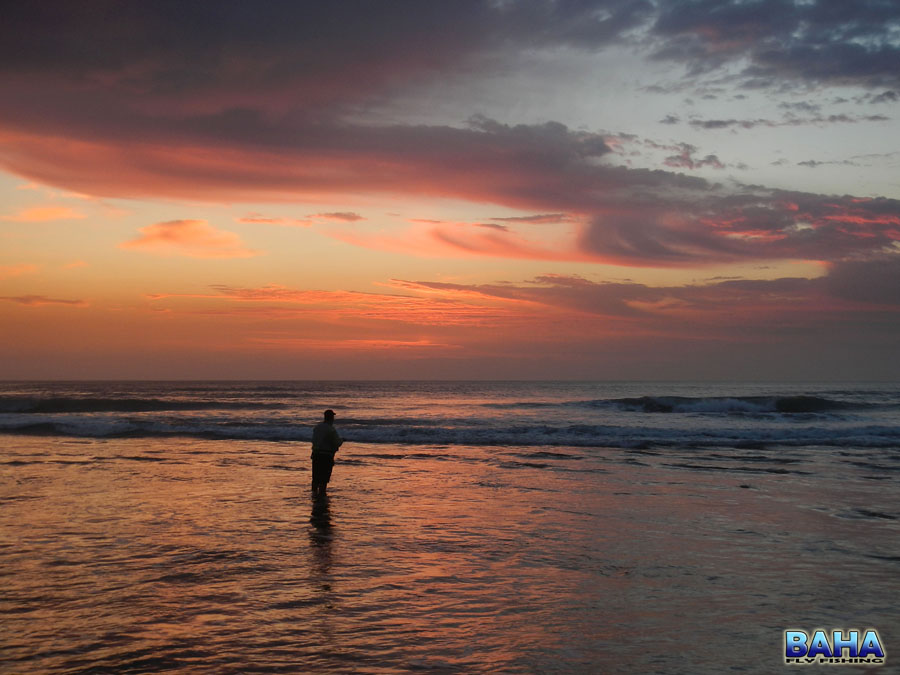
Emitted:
pixel 618 189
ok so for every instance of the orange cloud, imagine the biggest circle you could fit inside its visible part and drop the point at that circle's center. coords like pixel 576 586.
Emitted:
pixel 40 214
pixel 10 271
pixel 363 345
pixel 191 238
pixel 436 238
pixel 257 218
pixel 436 308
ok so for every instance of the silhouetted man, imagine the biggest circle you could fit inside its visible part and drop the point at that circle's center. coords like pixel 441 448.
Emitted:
pixel 325 442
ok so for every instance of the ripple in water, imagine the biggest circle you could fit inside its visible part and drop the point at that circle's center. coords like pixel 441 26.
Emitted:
pixel 212 557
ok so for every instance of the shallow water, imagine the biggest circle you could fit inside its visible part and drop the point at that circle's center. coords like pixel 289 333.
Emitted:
pixel 193 555
pixel 582 414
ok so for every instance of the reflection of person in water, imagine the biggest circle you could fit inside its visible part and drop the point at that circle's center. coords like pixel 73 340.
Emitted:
pixel 320 539
pixel 325 443
pixel 320 519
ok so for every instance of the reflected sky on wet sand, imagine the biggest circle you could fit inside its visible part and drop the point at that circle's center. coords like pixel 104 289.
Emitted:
pixel 173 554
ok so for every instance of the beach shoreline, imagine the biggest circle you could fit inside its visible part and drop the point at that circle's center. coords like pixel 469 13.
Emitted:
pixel 186 553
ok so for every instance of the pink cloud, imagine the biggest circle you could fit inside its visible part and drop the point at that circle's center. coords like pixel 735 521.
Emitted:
pixel 191 238
pixel 482 161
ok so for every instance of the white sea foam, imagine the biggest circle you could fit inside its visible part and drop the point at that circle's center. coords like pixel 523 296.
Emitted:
pixel 486 414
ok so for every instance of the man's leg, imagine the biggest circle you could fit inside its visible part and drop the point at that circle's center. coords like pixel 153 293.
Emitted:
pixel 316 474
pixel 325 476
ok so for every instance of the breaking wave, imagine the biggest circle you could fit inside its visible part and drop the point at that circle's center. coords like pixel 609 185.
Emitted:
pixel 474 414
pixel 525 435
pixel 729 405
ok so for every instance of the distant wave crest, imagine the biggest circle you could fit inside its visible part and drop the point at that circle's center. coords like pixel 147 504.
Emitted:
pixel 525 435
pixel 27 404
pixel 730 405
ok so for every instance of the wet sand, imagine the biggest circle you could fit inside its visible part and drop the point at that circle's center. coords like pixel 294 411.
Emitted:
pixel 185 555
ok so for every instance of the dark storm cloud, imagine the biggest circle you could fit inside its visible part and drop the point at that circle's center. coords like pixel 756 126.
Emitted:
pixel 337 51
pixel 237 101
pixel 828 41
pixel 171 58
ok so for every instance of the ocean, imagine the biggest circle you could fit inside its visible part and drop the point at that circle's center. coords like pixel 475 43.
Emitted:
pixel 470 527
